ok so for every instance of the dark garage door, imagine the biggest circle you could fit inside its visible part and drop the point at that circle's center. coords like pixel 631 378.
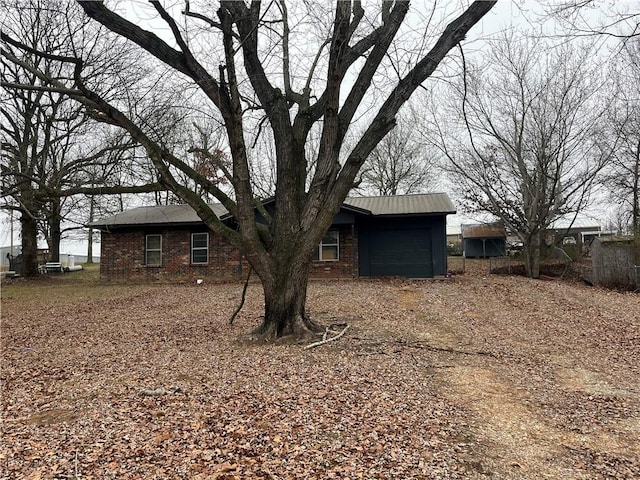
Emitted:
pixel 403 252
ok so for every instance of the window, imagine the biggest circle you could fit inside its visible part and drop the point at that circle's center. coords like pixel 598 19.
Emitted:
pixel 200 247
pixel 153 250
pixel 329 246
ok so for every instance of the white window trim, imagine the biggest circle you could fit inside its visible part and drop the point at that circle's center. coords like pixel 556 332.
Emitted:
pixel 337 245
pixel 199 248
pixel 147 250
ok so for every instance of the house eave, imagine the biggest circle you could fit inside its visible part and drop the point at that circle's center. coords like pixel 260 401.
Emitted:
pixel 182 215
pixel 124 226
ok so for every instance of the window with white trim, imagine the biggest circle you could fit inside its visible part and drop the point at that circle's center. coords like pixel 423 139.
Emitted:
pixel 153 250
pixel 200 248
pixel 329 246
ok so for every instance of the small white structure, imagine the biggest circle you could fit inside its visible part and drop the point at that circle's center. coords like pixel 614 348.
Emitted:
pixel 71 264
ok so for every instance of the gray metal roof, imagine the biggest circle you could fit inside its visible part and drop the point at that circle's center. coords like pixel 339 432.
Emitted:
pixel 426 203
pixel 156 215
pixel 573 221
pixel 432 203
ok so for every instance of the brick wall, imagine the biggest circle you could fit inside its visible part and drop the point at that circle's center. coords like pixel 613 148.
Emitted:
pixel 123 258
pixel 347 264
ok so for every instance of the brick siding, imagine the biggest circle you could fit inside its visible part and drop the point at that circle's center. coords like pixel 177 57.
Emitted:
pixel 347 264
pixel 123 258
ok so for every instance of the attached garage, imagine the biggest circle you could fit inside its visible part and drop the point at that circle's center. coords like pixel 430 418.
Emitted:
pixel 403 236
pixel 401 252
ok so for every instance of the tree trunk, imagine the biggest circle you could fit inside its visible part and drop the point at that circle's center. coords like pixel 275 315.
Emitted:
pixel 532 255
pixel 54 247
pixel 55 233
pixel 90 246
pixel 285 296
pixel 635 208
pixel 90 237
pixel 29 233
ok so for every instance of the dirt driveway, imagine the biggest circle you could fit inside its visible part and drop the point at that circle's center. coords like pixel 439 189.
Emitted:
pixel 549 371
pixel 480 376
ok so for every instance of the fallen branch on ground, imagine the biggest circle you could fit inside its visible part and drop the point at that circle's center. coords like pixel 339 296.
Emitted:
pixel 244 294
pixel 450 350
pixel 420 345
pixel 328 330
pixel 159 391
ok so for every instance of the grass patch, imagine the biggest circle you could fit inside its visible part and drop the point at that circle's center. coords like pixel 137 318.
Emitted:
pixel 60 288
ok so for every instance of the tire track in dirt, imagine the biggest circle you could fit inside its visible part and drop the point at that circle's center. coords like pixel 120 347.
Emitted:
pixel 514 438
pixel 517 442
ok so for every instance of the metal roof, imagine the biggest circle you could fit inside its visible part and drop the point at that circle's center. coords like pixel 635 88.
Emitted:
pixel 484 230
pixel 156 215
pixel 575 221
pixel 426 203
pixel 433 203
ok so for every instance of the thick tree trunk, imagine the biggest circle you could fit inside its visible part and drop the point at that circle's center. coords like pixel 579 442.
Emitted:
pixel 29 233
pixel 285 296
pixel 532 255
pixel 55 235
pixel 635 208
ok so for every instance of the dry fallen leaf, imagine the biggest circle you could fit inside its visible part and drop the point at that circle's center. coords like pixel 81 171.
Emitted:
pixel 457 379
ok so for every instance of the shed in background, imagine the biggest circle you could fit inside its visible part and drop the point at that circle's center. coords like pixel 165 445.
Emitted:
pixel 615 262
pixel 484 240
pixel 574 230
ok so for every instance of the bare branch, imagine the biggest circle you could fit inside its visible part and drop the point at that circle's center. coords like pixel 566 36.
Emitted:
pixel 40 88
pixel 326 340
pixel 187 12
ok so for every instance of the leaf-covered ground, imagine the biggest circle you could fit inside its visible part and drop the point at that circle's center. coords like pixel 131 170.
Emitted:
pixel 480 376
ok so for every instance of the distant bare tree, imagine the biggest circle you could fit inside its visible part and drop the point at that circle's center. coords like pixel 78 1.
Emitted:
pixel 534 147
pixel 596 17
pixel 400 164
pixel 623 174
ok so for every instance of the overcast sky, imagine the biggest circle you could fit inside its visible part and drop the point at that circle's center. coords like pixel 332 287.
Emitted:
pixel 522 15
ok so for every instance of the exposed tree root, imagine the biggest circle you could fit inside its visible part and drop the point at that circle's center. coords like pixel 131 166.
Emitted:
pixel 302 328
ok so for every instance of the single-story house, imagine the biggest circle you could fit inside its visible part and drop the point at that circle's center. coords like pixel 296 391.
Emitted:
pixel 401 235
pixel 484 240
pixel 574 230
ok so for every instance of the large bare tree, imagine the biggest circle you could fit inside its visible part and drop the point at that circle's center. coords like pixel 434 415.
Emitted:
pixel 623 174
pixel 535 137
pixel 37 126
pixel 51 149
pixel 298 74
